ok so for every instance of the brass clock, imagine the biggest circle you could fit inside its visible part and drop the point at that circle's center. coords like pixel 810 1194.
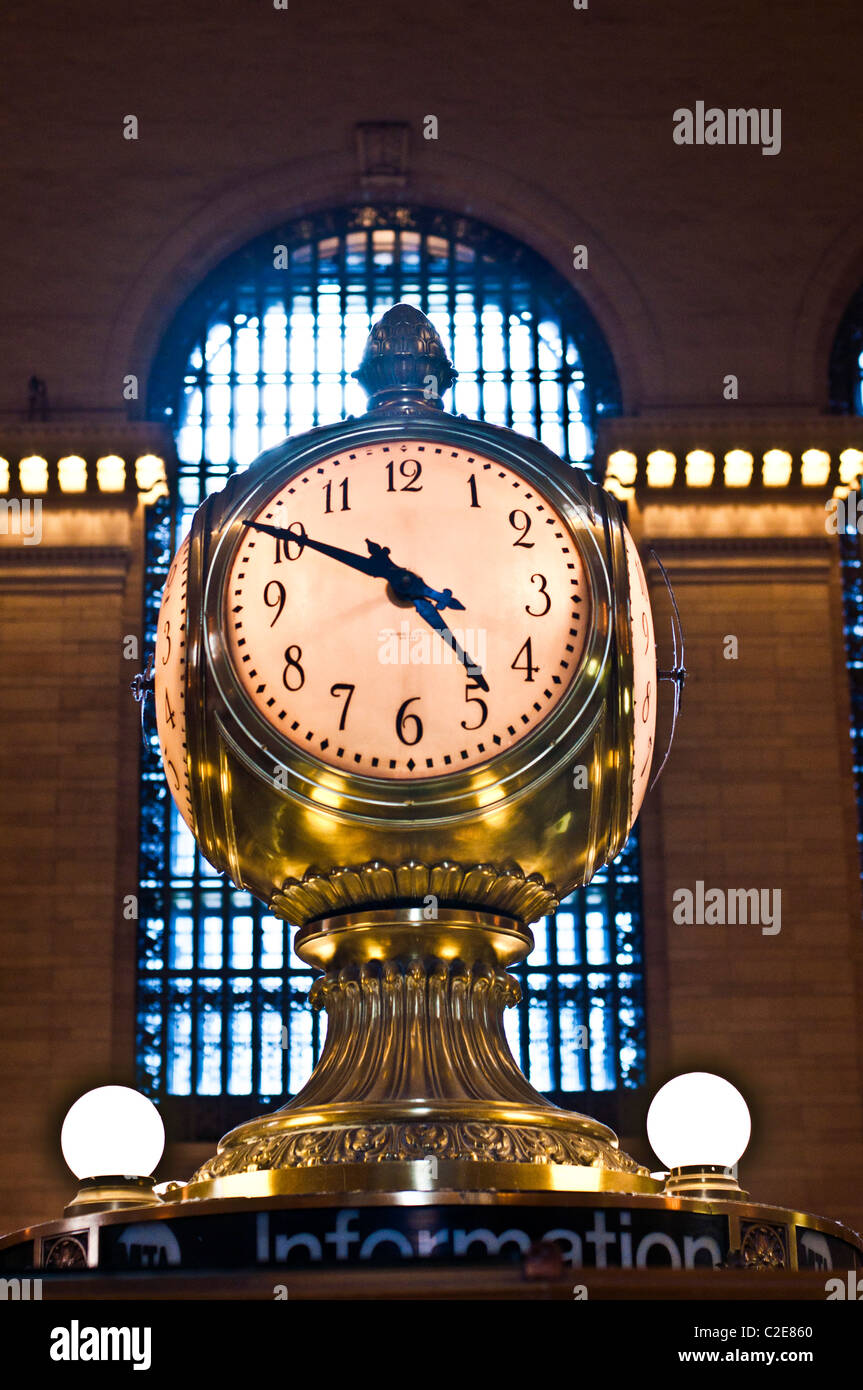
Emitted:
pixel 407 639
pixel 406 694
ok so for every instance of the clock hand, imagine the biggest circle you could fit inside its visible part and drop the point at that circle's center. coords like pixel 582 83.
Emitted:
pixel 377 564
pixel 429 612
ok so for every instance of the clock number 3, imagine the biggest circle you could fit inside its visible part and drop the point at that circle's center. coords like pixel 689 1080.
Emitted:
pixel 543 593
pixel 292 663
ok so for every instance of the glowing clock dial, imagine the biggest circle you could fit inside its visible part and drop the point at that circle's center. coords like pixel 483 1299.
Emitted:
pixel 644 675
pixel 431 658
pixel 170 681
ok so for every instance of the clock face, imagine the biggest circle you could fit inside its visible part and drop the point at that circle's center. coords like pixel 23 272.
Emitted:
pixel 170 677
pixel 459 643
pixel 644 675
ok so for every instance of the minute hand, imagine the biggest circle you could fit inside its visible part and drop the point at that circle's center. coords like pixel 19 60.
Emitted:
pixel 429 612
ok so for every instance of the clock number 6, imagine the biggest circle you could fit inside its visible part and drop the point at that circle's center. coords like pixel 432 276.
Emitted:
pixel 292 663
pixel 402 719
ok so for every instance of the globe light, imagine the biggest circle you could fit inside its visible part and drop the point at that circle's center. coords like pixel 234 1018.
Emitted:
pixel 698 1124
pixel 112 1130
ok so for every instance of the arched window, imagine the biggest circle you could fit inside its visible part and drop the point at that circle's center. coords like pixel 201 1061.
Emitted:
pixel 265 347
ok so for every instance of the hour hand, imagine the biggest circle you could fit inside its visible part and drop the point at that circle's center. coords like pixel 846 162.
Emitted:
pixel 427 610
pixel 377 563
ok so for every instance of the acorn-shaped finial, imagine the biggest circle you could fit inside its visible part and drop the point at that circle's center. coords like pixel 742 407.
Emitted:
pixel 405 363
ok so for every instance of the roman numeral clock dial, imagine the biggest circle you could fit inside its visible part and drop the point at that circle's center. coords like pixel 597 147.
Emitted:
pixel 405 610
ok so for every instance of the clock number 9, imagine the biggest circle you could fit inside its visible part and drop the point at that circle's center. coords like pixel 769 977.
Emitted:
pixel 402 719
pixel 278 601
pixel 646 630
pixel 292 663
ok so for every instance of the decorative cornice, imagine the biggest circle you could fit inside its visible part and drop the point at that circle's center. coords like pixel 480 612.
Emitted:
pixel 109 461
pixel 699 457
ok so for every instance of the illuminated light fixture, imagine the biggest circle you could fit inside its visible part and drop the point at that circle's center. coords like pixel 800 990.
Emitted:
pixel 4 475
pixel 700 466
pixel 841 490
pixel 698 1125
pixel 738 468
pixel 850 465
pixel 815 471
pixel 33 472
pixel 150 478
pixel 776 469
pixel 623 466
pixel 112 1139
pixel 149 470
pixel 111 473
pixel 72 473
pixel 661 468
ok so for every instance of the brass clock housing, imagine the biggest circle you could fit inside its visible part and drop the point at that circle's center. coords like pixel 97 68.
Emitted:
pixel 414 896
pixel 302 835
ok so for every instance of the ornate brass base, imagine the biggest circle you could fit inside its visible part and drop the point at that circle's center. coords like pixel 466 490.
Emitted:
pixel 416 1069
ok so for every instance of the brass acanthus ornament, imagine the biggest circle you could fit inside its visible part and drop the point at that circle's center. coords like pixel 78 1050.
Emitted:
pixel 503 889
pixel 413 897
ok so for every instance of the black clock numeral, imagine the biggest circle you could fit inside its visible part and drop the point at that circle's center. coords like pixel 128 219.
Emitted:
pixel 645 705
pixel 471 482
pixel 167 637
pixel 337 690
pixel 284 543
pixel 410 469
pixel 328 492
pixel 402 719
pixel 475 700
pixel 543 593
pixel 646 630
pixel 169 713
pixel 278 599
pixel 520 521
pixel 528 667
pixel 169 764
pixel 292 663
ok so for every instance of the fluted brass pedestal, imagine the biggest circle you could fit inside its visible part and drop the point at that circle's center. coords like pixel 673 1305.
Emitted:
pixel 416 1086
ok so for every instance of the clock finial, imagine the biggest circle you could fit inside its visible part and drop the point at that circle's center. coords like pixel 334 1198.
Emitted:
pixel 405 365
